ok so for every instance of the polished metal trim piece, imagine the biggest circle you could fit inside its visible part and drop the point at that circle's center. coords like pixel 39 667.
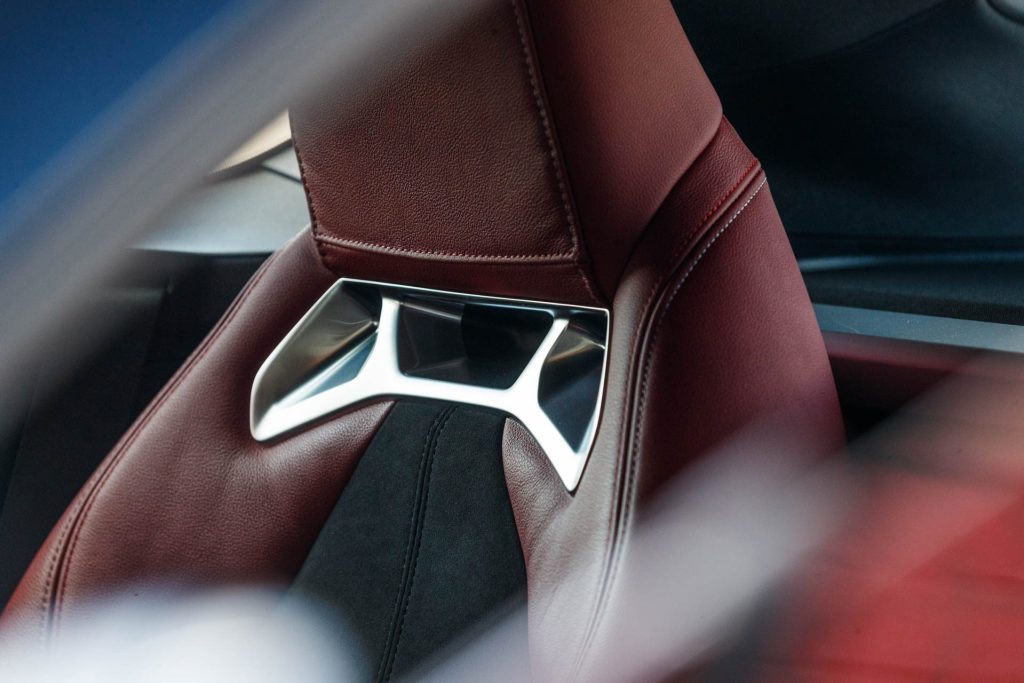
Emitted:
pixel 542 363
pixel 926 329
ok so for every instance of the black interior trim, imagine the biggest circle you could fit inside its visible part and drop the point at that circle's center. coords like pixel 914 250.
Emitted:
pixel 986 287
pixel 422 544
pixel 881 126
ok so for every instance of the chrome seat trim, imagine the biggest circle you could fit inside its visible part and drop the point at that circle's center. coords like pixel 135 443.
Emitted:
pixel 542 363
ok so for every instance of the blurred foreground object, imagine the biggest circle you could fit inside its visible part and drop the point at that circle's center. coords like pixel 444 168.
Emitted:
pixel 241 635
pixel 272 138
pixel 926 582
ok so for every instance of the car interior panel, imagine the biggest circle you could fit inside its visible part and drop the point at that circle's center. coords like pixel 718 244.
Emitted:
pixel 515 332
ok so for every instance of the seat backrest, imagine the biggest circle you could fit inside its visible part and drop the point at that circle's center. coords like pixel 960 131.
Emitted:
pixel 547 149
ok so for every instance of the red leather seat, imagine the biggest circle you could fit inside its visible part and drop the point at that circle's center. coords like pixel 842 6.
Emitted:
pixel 547 149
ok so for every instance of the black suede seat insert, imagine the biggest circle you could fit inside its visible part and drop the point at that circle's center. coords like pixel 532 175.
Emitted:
pixel 422 544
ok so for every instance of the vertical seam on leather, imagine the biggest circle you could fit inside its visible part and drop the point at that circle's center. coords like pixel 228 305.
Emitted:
pixel 310 203
pixel 621 518
pixel 679 180
pixel 553 151
pixel 683 246
pixel 656 328
pixel 322 240
pixel 45 600
pixel 54 590
pixel 417 522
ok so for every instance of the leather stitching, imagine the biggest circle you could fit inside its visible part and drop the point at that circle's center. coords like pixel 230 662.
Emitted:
pixel 322 238
pixel 417 537
pixel 411 553
pixel 51 572
pixel 725 197
pixel 330 240
pixel 62 557
pixel 314 226
pixel 722 124
pixel 649 355
pixel 179 377
pixel 629 490
pixel 683 246
pixel 553 151
pixel 408 558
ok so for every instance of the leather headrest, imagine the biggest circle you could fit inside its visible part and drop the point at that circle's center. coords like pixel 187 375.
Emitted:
pixel 522 156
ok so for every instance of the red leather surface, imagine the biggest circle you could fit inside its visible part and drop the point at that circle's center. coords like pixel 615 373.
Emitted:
pixel 550 149
pixel 518 157
pixel 188 496
pixel 712 331
pixel 632 108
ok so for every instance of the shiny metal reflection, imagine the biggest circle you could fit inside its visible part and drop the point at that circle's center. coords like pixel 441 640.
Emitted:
pixel 543 364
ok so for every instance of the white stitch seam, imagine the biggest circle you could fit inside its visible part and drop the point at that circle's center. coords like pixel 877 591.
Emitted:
pixel 332 241
pixel 99 478
pixel 708 245
pixel 631 477
pixel 539 103
pixel 552 148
